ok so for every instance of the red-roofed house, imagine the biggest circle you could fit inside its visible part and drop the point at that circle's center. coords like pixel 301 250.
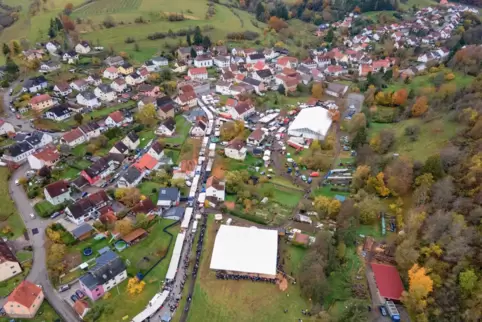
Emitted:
pixel 388 281
pixel 289 83
pixel 286 62
pixel 115 119
pixel 335 70
pixel 41 102
pixel 381 65
pixel 73 137
pixel 363 70
pixel 24 301
pixel 146 162
pixel 81 307
pixel 48 156
pixel 198 73
pixel 186 99
pixel 111 73
pixel 241 110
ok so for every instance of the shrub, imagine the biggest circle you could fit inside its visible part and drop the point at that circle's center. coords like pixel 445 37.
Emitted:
pixel 129 40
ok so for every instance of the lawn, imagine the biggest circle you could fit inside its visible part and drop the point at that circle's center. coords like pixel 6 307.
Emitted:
pixel 10 220
pixel 45 313
pixel 147 187
pixel 145 136
pixel 23 255
pixel 294 260
pixel 46 124
pixel 173 154
pixel 155 244
pixel 434 135
pixel 282 195
pixel 219 300
pixel 327 192
pixel 182 131
pixel 44 208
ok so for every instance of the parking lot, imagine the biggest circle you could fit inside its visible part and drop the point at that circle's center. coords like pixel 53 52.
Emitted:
pixel 66 295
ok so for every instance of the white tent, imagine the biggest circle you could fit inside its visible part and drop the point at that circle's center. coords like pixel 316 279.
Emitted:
pixel 311 123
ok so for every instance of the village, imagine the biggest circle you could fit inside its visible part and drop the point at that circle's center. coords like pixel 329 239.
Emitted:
pixel 125 174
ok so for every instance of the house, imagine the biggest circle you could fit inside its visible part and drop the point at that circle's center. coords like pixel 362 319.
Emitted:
pixel 36 139
pixel 187 99
pixel 115 119
pixel 144 207
pixel 52 46
pixel 221 61
pixel 289 83
pixel 335 70
pixel 256 137
pixel 91 130
pixel 119 85
pixel 112 61
pixel 215 188
pixel 79 85
pixel 82 48
pixel 9 265
pixel 203 61
pixel 166 107
pixel 257 85
pixel 148 90
pixel 33 54
pixel 17 153
pixel 119 148
pixel 62 89
pixel 6 128
pixel 49 66
pixel 183 53
pixel 167 127
pixel 199 128
pixel 134 79
pixel 86 208
pixel 236 149
pixel 143 73
pixel 59 113
pixel 71 57
pixel 168 197
pixel 73 137
pixel 198 73
pixel 46 157
pixel 131 140
pixel 156 151
pixel 336 89
pixel 111 73
pixel 105 93
pixel 125 69
pixel 109 270
pixel 57 193
pixel 241 110
pixel 24 301
pixel 254 58
pixel 150 66
pixel 222 87
pixel 131 178
pixel 364 69
pixel 41 102
pixel 263 75
pixel 146 162
pixel 87 98
pixel 35 84
pixel 160 61
pixel 286 62
pixel 81 307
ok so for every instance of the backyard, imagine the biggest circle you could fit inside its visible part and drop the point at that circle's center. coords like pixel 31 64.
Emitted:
pixel 182 131
pixel 11 224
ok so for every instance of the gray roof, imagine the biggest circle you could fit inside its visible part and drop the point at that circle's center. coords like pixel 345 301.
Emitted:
pixel 81 230
pixel 107 266
pixel 170 194
pixel 131 175
pixel 174 213
pixel 105 88
pixel 59 110
pixel 133 136
pixel 19 148
pixel 88 95
pixel 121 147
pixel 159 59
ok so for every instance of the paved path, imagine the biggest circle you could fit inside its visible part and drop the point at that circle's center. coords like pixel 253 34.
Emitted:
pixel 38 272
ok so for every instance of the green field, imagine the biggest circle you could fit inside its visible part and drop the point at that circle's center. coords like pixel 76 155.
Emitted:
pixel 219 300
pixel 23 255
pixel 433 136
pixel 44 208
pixel 147 187
pixel 182 131
pixel 11 224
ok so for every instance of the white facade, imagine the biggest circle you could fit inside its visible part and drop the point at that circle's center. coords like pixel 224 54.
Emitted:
pixel 89 102
pixel 58 199
pixel 103 96
pixel 235 154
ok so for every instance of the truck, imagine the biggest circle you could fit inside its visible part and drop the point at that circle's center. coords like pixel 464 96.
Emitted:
pixel 392 311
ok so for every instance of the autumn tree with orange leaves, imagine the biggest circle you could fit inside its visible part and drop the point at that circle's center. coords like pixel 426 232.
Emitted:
pixel 420 106
pixel 420 286
pixel 400 97
pixel 277 23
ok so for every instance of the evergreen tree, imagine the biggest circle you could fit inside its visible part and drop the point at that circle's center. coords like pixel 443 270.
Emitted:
pixel 260 12
pixel 360 138
pixel 198 37
pixel 282 89
pixel 193 53
pixel 206 42
pixel 16 47
pixel 52 32
pixel 11 67
pixel 330 35
pixel 188 40
pixel 6 49
pixel 59 24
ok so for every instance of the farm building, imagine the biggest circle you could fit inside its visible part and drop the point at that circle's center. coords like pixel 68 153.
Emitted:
pixel 245 251
pixel 388 281
pixel 311 123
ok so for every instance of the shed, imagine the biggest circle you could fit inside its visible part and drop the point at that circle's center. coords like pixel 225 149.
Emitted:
pixel 388 281
pixel 82 232
pixel 134 236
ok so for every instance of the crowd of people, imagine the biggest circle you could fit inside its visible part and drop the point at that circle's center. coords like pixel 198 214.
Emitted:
pixel 237 277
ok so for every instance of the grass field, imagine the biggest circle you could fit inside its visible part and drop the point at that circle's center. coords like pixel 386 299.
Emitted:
pixel 434 135
pixel 44 208
pixel 219 301
pixel 147 187
pixel 23 255
pixel 182 131
pixel 9 216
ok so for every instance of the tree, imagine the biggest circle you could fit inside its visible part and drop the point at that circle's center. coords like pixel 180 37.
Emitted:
pixel 370 207
pixel 188 39
pixel 468 281
pixel 377 184
pixel 281 89
pixel 357 122
pixel 193 53
pixel 420 106
pixel 260 12
pixel 399 176
pixel 354 311
pixel 15 47
pixel 360 176
pixel 147 115
pixel 382 142
pixel 433 165
pixel 327 206
pixel 277 24
pixel 11 68
pixel 123 226
pixel 420 286
pixel 52 32
pixel 317 90
pixel 78 118
pixel 359 139
pixel 135 286
pixel 5 49
pixel 400 97
pixel 330 35
pixel 130 197
pixel 206 43
pixel 198 38
pixel 423 185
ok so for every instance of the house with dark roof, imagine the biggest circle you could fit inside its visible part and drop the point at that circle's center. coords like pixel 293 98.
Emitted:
pixel 57 192
pixel 119 148
pixel 166 107
pixel 133 79
pixel 156 151
pixel 167 127
pixel 88 99
pixel 35 84
pixel 168 197
pixel 199 128
pixel 102 168
pixel 9 265
pixel 82 47
pixel 236 149
pixel 87 208
pixel 144 206
pixel 263 75
pixel 109 270
pixel 18 153
pixel 91 130
pixel 336 89
pixel 114 61
pixel 215 188
pixel 131 178
pixel 105 93
pixel 70 57
pixel 24 301
pixel 131 140
pixel 82 232
pixel 59 113
pixel 256 137
pixel 254 58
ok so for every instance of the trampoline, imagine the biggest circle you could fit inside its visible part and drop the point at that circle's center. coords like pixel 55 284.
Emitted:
pixel 120 245
pixel 87 251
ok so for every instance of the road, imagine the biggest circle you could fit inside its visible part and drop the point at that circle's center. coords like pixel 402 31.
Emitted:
pixel 19 124
pixel 38 272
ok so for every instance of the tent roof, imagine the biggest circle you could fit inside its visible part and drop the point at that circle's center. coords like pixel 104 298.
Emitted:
pixel 388 281
pixel 317 119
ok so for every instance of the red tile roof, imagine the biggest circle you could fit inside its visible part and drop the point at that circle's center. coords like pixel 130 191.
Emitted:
pixel 116 116
pixel 80 306
pixel 388 281
pixel 49 154
pixel 72 135
pixel 198 71
pixel 146 162
pixel 40 99
pixel 112 70
pixel 57 188
pixel 25 294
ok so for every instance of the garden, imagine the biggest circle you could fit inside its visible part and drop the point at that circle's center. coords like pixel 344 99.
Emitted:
pixel 11 224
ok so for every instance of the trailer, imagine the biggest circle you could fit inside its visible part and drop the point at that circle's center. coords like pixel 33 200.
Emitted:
pixel 392 311
pixel 209 167
pixel 194 226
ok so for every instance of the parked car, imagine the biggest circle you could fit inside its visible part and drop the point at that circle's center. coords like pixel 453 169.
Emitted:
pixel 80 294
pixel 17 116
pixel 383 310
pixel 55 215
pixel 32 216
pixel 85 194
pixel 64 288
pixel 74 298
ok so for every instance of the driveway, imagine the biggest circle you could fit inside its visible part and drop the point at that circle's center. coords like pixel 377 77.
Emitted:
pixel 36 232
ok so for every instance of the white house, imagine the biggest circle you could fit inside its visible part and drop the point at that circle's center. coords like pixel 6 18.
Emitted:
pixel 198 73
pixel 62 89
pixel 167 128
pixel 70 57
pixel 110 73
pixel 168 197
pixel 47 156
pixel 134 79
pixel 105 93
pixel 131 178
pixel 221 61
pixel 119 148
pixel 119 85
pixel 18 152
pixel 6 127
pixel 91 130
pixel 79 85
pixel 73 138
pixel 203 61
pixel 199 129
pixel 236 149
pixel 131 140
pixel 52 46
pixel 58 113
pixel 57 193
pixel 116 119
pixel 160 61
pixel 256 137
pixel 88 99
pixel 254 58
pixel 215 188
pixel 241 110
pixel 156 151
pixel 82 48
pixel 186 99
